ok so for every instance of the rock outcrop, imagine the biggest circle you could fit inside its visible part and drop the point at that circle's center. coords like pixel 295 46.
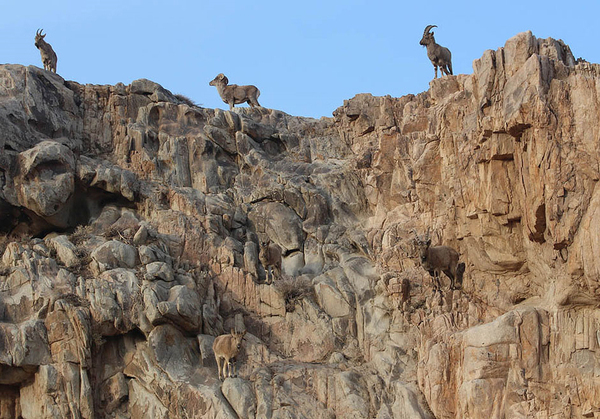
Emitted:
pixel 131 223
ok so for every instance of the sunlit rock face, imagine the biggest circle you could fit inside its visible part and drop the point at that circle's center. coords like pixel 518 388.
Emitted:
pixel 131 224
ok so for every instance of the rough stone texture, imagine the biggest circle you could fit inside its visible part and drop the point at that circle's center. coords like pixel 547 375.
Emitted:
pixel 130 230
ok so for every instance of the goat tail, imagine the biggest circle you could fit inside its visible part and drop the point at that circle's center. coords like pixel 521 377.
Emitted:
pixel 460 270
pixel 253 99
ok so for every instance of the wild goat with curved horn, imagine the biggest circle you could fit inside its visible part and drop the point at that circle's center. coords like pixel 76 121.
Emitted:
pixel 49 58
pixel 440 56
pixel 232 94
pixel 438 259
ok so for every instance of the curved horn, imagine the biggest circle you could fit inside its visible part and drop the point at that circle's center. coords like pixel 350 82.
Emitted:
pixel 428 28
pixel 417 238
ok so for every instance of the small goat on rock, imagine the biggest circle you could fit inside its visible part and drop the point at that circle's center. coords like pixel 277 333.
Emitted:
pixel 270 257
pixel 440 56
pixel 226 347
pixel 439 259
pixel 233 94
pixel 49 58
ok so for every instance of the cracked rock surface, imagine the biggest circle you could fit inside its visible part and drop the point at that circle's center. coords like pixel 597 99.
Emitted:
pixel 130 225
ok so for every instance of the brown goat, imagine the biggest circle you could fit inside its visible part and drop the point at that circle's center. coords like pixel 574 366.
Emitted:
pixel 226 347
pixel 232 94
pixel 270 257
pixel 49 58
pixel 438 55
pixel 437 259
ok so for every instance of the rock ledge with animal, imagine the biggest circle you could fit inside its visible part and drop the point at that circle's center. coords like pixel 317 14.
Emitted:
pixel 133 223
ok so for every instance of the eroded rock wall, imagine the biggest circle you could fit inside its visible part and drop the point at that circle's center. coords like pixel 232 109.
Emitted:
pixel 133 223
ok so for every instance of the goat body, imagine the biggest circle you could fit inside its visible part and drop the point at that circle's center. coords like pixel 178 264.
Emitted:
pixel 270 257
pixel 440 56
pixel 439 259
pixel 49 58
pixel 232 94
pixel 226 347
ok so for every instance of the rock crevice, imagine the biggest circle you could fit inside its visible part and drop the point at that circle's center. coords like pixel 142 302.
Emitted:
pixel 130 225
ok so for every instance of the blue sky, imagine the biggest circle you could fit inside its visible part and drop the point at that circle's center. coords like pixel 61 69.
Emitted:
pixel 306 57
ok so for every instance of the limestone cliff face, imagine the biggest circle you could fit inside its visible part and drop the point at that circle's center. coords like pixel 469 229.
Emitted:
pixel 131 225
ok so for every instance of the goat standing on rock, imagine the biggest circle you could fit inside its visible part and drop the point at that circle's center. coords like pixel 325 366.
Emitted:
pixel 439 259
pixel 233 94
pixel 270 257
pixel 440 56
pixel 49 58
pixel 226 348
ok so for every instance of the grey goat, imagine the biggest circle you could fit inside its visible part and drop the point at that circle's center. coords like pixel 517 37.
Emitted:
pixel 440 56
pixel 439 259
pixel 48 55
pixel 233 94
pixel 270 257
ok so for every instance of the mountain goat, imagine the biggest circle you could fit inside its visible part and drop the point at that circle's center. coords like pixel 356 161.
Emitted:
pixel 48 55
pixel 233 94
pixel 270 257
pixel 226 347
pixel 439 259
pixel 439 55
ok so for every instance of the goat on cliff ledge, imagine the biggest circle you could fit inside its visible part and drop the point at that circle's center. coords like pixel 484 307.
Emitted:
pixel 49 58
pixel 439 259
pixel 440 56
pixel 226 347
pixel 270 257
pixel 233 94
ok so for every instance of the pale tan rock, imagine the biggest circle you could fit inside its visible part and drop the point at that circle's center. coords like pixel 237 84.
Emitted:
pixel 159 271
pixel 240 394
pixel 113 296
pixel 501 164
pixel 331 299
pixel 114 254
pixel 46 181
pixel 66 251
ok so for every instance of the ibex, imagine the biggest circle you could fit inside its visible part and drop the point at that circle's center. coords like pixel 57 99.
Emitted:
pixel 233 94
pixel 270 257
pixel 439 55
pixel 439 259
pixel 226 347
pixel 48 55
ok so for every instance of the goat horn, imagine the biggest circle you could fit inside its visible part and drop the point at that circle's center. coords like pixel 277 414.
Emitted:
pixel 417 238
pixel 428 28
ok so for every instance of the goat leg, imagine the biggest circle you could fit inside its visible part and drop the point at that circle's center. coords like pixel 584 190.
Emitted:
pixel 232 368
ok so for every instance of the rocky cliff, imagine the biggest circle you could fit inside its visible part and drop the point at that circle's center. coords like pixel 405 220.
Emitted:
pixel 131 224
